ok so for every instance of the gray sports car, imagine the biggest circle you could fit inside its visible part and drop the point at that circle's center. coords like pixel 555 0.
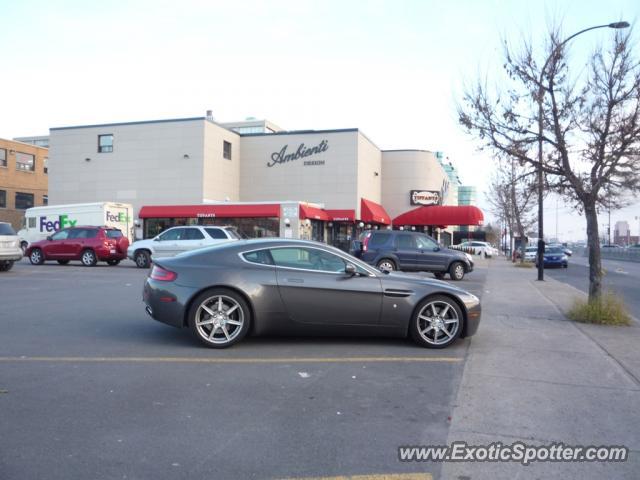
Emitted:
pixel 296 287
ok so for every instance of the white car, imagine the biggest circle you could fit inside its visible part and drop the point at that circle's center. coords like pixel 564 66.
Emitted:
pixel 479 248
pixel 176 240
pixel 10 250
pixel 530 254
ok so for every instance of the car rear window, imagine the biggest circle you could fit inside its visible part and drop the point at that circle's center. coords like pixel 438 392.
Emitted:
pixel 259 256
pixel 6 229
pixel 216 233
pixel 113 233
pixel 379 239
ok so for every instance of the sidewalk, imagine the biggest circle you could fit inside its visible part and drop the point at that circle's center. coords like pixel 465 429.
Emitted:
pixel 533 376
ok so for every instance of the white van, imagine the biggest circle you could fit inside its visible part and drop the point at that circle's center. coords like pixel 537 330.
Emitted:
pixel 40 222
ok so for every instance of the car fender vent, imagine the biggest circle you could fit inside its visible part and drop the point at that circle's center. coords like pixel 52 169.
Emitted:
pixel 396 292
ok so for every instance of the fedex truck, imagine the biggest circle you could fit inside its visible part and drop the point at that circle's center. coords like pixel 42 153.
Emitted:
pixel 40 222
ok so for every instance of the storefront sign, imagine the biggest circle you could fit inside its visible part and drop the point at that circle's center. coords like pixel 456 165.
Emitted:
pixel 425 197
pixel 282 156
pixel 205 215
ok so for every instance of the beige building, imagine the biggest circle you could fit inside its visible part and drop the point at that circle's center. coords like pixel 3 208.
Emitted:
pixel 322 184
pixel 23 179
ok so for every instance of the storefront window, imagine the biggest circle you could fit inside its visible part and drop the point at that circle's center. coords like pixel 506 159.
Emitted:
pixel 254 227
pixel 341 234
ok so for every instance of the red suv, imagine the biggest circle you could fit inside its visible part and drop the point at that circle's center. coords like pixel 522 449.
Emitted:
pixel 87 244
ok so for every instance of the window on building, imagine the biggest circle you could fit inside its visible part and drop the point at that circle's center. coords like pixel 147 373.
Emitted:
pixel 46 162
pixel 105 143
pixel 24 200
pixel 25 162
pixel 3 199
pixel 45 200
pixel 3 157
pixel 226 150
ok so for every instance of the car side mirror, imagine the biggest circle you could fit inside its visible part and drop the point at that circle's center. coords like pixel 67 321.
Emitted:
pixel 157 239
pixel 49 238
pixel 436 249
pixel 350 269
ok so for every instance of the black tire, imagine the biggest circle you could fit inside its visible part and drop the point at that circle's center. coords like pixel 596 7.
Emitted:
pixel 88 258
pixel 36 257
pixel 420 324
pixel 439 275
pixel 456 271
pixel 142 259
pixel 6 266
pixel 113 262
pixel 241 313
pixel 386 264
pixel 63 262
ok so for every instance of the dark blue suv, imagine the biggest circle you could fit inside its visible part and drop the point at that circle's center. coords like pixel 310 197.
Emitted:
pixel 410 251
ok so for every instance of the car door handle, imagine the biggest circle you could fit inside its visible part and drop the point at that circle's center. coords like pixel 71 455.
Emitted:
pixel 294 280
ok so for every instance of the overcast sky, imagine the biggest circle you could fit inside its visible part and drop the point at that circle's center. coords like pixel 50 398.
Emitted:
pixel 394 69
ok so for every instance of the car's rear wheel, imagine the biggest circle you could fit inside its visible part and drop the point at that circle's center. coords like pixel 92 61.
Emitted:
pixel 88 258
pixel 63 262
pixel 456 271
pixel 142 259
pixel 219 318
pixel 387 265
pixel 437 322
pixel 113 262
pixel 36 257
pixel 6 266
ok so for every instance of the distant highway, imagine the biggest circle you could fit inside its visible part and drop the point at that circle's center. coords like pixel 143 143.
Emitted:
pixel 621 277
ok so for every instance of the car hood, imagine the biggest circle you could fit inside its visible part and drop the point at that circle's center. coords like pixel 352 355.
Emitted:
pixel 141 243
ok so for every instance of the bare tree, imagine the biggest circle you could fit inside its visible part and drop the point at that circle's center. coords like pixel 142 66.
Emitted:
pixel 511 195
pixel 590 125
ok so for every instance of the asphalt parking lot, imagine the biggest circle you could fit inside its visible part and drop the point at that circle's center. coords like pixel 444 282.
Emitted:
pixel 91 387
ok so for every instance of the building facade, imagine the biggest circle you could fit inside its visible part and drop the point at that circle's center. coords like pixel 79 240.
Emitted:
pixel 325 185
pixel 23 179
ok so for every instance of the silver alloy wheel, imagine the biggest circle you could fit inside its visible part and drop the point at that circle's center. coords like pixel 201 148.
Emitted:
pixel 88 258
pixel 141 260
pixel 36 256
pixel 386 265
pixel 219 319
pixel 438 322
pixel 458 271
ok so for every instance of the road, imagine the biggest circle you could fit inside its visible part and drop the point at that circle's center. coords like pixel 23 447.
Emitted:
pixel 91 387
pixel 621 277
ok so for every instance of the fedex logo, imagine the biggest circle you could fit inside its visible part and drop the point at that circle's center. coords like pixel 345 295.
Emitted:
pixel 62 222
pixel 120 217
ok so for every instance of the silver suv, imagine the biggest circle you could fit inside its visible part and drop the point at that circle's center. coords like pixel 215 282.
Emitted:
pixel 10 250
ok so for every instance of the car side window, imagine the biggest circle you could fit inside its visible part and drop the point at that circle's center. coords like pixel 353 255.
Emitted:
pixel 405 241
pixel 262 257
pixel 193 234
pixel 172 234
pixel 307 259
pixel 426 243
pixel 378 239
pixel 61 235
pixel 216 233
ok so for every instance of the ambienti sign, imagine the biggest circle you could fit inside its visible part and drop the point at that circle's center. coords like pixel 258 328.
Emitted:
pixel 303 151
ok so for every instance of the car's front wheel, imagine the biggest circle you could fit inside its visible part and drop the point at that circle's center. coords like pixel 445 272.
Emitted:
pixel 36 257
pixel 437 322
pixel 456 271
pixel 6 266
pixel 88 258
pixel 142 259
pixel 219 318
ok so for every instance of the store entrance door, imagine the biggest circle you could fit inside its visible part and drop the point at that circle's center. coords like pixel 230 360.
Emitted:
pixel 341 235
pixel 317 230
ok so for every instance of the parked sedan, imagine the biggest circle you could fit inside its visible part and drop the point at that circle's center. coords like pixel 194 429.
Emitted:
pixel 177 240
pixel 295 287
pixel 479 248
pixel 530 254
pixel 554 257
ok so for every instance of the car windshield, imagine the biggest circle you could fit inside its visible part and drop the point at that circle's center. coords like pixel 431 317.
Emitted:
pixel 6 229
pixel 532 249
pixel 554 251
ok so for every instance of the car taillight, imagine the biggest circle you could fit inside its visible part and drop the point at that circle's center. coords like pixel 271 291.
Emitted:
pixel 162 274
pixel 365 242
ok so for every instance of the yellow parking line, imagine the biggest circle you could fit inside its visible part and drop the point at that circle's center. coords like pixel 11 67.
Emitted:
pixel 244 360
pixel 389 476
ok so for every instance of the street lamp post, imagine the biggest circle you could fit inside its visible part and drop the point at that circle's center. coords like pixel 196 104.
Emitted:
pixel 541 91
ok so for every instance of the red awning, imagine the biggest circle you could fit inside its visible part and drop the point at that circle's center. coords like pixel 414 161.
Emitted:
pixel 203 211
pixel 443 215
pixel 341 215
pixel 371 212
pixel 313 213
